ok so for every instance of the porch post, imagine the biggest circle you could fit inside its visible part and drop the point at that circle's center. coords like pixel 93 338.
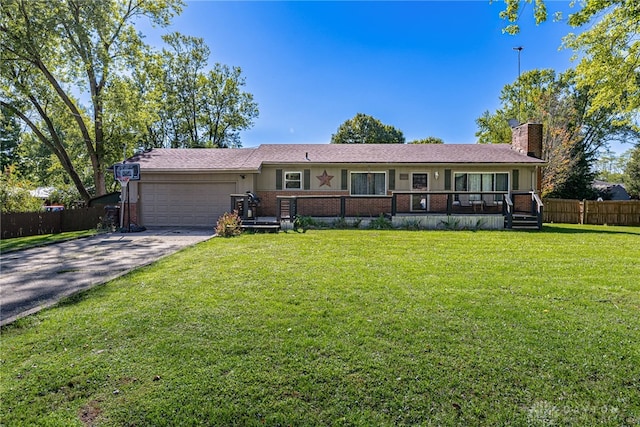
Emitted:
pixel 278 209
pixel 245 207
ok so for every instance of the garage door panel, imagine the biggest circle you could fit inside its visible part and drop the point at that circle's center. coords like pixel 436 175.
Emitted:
pixel 184 204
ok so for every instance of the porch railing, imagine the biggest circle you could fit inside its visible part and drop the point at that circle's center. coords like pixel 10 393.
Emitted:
pixel 401 202
pixel 524 204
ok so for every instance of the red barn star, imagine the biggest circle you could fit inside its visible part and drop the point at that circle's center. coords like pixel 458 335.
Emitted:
pixel 325 179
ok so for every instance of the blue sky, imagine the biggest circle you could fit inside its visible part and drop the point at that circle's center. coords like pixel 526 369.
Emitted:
pixel 428 68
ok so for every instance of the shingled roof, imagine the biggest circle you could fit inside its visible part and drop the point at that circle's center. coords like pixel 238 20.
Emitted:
pixel 251 159
pixel 198 159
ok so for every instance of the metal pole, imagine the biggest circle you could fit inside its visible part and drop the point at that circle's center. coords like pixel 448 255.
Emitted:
pixel 128 210
pixel 519 49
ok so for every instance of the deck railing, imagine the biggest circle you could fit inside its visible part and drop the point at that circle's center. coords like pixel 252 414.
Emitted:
pixel 400 202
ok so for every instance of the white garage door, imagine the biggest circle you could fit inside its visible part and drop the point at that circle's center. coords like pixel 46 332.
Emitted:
pixel 184 204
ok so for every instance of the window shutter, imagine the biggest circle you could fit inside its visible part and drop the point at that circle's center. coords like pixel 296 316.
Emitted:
pixel 307 179
pixel 392 179
pixel 516 179
pixel 447 179
pixel 344 178
pixel 278 179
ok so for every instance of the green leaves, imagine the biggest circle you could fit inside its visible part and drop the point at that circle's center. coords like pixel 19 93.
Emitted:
pixel 194 107
pixel 58 61
pixel 607 48
pixel 632 173
pixel 364 129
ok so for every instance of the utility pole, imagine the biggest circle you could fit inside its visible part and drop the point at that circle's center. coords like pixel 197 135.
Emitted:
pixel 519 49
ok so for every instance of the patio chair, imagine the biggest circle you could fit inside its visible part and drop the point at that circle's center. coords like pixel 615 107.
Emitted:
pixel 464 201
pixel 489 200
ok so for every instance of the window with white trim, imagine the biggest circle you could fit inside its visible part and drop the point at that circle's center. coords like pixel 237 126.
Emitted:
pixel 293 180
pixel 481 182
pixel 368 183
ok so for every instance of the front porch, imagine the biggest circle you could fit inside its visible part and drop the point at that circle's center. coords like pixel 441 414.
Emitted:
pixel 428 209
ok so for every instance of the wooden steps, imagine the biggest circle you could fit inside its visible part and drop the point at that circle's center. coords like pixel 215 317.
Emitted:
pixel 524 222
pixel 261 226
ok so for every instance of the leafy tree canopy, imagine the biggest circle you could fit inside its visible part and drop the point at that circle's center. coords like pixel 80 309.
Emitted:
pixel 631 176
pixel 607 50
pixel 78 75
pixel 428 140
pixel 364 129
pixel 51 51
pixel 573 131
pixel 15 195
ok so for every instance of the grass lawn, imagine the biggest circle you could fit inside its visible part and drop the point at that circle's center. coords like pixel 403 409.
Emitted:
pixel 347 327
pixel 19 243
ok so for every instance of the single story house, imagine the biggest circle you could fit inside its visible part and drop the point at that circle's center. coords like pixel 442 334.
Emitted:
pixel 610 191
pixel 193 187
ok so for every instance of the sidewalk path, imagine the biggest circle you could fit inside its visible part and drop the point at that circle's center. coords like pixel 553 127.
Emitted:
pixel 33 279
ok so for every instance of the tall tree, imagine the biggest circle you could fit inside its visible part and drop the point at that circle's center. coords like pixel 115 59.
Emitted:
pixel 226 109
pixel 9 138
pixel 195 107
pixel 573 131
pixel 607 50
pixel 364 129
pixel 631 176
pixel 53 50
pixel 610 167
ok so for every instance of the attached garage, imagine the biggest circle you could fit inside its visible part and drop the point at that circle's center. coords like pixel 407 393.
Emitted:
pixel 194 204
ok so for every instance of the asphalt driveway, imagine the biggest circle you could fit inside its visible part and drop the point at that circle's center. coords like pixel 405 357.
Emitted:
pixel 36 278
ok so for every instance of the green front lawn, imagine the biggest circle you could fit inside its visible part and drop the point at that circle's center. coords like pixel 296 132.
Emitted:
pixel 345 328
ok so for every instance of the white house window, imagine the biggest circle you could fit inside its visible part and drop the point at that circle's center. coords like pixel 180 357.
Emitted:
pixel 293 180
pixel 481 182
pixel 368 183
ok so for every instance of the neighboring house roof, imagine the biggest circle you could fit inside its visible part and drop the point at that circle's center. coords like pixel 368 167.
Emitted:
pixel 614 191
pixel 248 159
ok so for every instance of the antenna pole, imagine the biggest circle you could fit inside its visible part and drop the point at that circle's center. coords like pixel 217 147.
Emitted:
pixel 519 49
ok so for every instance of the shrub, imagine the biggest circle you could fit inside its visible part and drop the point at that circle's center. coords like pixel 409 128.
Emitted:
pixel 381 223
pixel 229 225
pixel 451 224
pixel 15 195
pixel 303 223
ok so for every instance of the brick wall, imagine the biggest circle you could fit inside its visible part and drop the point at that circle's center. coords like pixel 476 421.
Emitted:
pixel 527 139
pixel 367 206
pixel 358 206
pixel 438 203
pixel 134 214
pixel 318 207
pixel 403 202
pixel 268 203
pixel 522 202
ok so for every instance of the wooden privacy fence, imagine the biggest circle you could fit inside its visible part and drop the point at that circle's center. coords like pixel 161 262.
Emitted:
pixel 22 224
pixel 608 212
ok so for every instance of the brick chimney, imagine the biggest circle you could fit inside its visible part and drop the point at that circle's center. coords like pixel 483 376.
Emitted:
pixel 527 139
